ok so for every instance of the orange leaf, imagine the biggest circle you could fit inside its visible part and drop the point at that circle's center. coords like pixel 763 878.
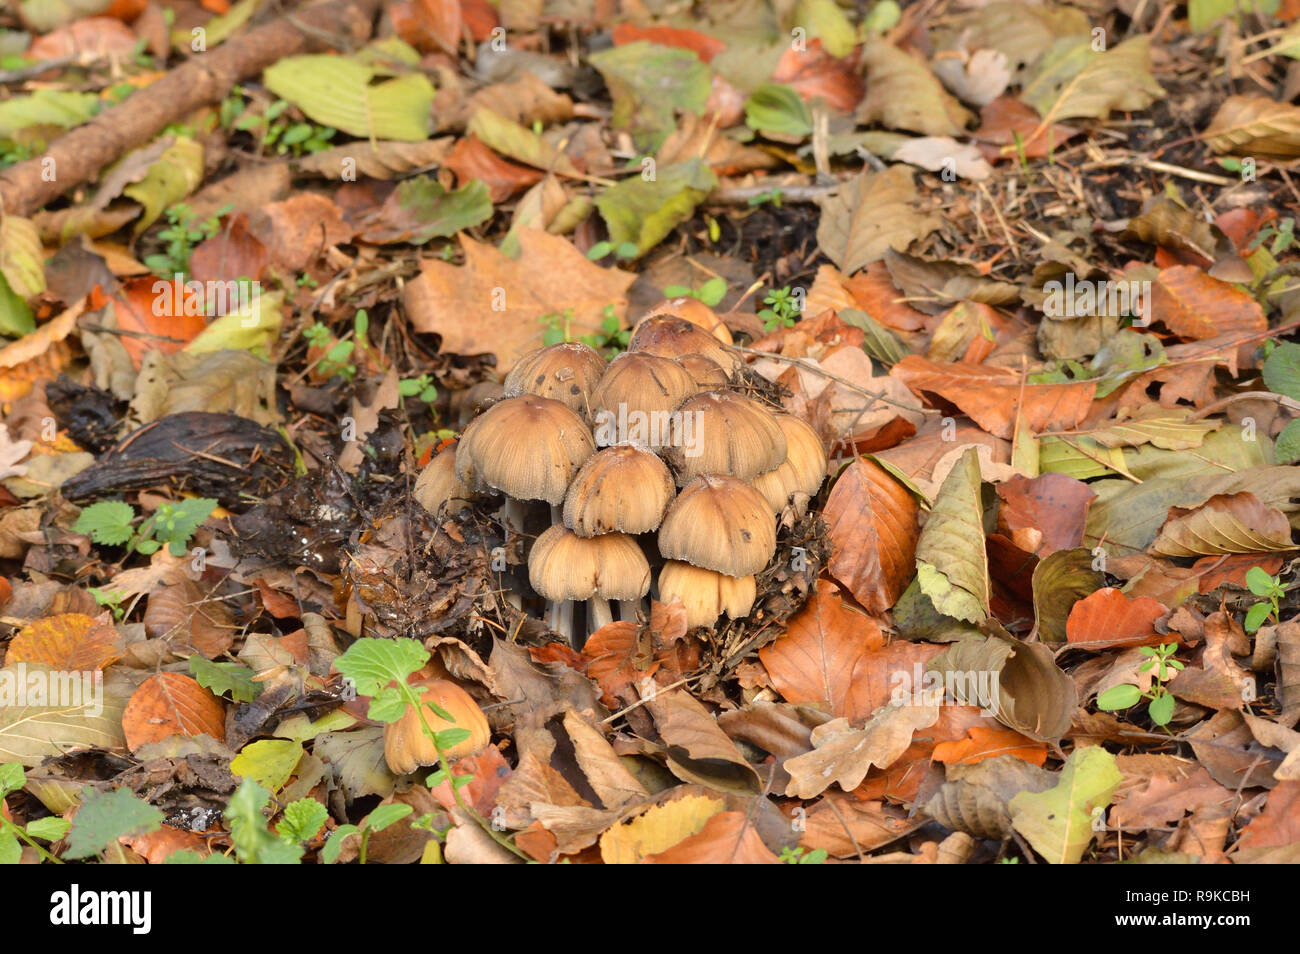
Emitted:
pixel 1002 120
pixel 91 37
pixel 156 846
pixel 170 704
pixel 163 321
pixel 981 744
pixel 1214 570
pixel 871 520
pixel 701 44
pixel 621 655
pixel 1108 619
pixel 72 642
pixel 470 159
pixel 1192 304
pixel 995 397
pixel 876 294
pixel 727 838
pixel 1044 514
pixel 815 74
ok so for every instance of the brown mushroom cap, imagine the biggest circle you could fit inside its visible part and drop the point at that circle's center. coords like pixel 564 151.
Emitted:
pixel 705 594
pixel 438 484
pixel 470 403
pixel 719 523
pixel 564 372
pixel 641 383
pixel 694 311
pixel 406 747
pixel 527 447
pixel 624 488
pixel 673 337
pixel 565 566
pixel 726 433
pixel 705 371
pixel 803 469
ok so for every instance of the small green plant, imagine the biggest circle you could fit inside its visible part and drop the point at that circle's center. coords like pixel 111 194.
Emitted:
pixel 306 281
pixel 1161 701
pixel 1280 236
pixel 339 352
pixel 275 130
pixel 711 292
pixel 771 195
pixel 623 250
pixel 611 338
pixel 110 599
pixel 110 522
pixel 799 856
pixel 421 387
pixel 180 236
pixel 13 778
pixel 782 311
pixel 1271 589
pixel 382 817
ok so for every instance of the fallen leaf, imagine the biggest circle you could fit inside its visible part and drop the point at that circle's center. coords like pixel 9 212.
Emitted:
pixel 871 520
pixel 168 704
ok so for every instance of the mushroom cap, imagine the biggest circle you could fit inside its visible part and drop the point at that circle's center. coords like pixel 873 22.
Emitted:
pixel 470 403
pixel 527 447
pixel 406 747
pixel 694 311
pixel 564 372
pixel 641 383
pixel 723 432
pixel 673 337
pixel 803 469
pixel 438 484
pixel 706 594
pixel 706 372
pixel 565 566
pixel 624 488
pixel 719 523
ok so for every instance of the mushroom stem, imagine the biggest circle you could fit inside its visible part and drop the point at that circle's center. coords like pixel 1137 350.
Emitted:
pixel 512 515
pixel 629 609
pixel 557 514
pixel 559 618
pixel 598 613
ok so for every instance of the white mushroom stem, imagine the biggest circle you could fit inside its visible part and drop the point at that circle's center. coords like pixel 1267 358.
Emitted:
pixel 557 514
pixel 598 613
pixel 559 618
pixel 512 515
pixel 628 610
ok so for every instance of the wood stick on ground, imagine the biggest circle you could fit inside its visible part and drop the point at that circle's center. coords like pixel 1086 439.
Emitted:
pixel 204 80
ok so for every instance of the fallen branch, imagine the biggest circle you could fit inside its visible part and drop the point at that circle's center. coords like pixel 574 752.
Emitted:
pixel 206 79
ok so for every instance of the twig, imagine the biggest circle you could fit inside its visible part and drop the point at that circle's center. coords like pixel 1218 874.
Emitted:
pixel 815 369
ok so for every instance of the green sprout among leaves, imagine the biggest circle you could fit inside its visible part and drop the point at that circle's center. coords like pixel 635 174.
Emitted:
pixel 711 292
pixel 180 236
pixel 782 311
pixel 110 599
pixel 1271 589
pixel 110 523
pixel 623 250
pixel 1125 696
pixel 13 778
pixel 421 387
pixel 800 856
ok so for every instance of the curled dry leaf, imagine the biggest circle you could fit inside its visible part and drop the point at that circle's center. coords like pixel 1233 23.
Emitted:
pixel 1226 523
pixel 170 704
pixel 1255 125
pixel 696 749
pixel 974 798
pixel 1060 581
pixel 1192 304
pixel 870 214
pixel 951 561
pixel 843 755
pixel 182 615
pixel 727 838
pixel 871 520
pixel 658 828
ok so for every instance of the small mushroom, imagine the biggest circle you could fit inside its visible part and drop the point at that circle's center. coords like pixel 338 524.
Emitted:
pixel 564 567
pixel 634 401
pixel 526 447
pixel 719 523
pixel 438 484
pixel 673 337
pixel 624 488
pixel 726 433
pixel 564 372
pixel 406 747
pixel 694 311
pixel 706 594
pixel 801 473
pixel 706 372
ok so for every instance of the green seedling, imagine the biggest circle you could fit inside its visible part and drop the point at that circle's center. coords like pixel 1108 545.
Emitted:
pixel 711 292
pixel 800 856
pixel 782 310
pixel 13 778
pixel 623 250
pixel 1160 701
pixel 1271 589
pixel 110 599
pixel 180 236
pixel 421 387
pixel 111 523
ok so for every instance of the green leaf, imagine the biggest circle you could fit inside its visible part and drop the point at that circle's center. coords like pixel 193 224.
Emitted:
pixel 171 177
pixel 22 257
pixel 420 209
pixel 645 212
pixel 1282 370
pixel 49 829
pixel 824 20
pixel 385 815
pixel 12 777
pixel 104 817
pixel 269 762
pixel 1259 582
pixel 107 522
pixel 372 664
pixel 11 853
pixel 46 107
pixel 878 341
pixel 1072 80
pixel 1257 615
pixel 520 143
pixel 187 857
pixel 712 291
pixel 341 92
pixel 1058 822
pixel 1161 709
pixel 778 108
pixel 951 563
pixel 449 738
pixel 16 318
pixel 175 523
pixel 1287 447
pixel 648 84
pixel 330 853
pixel 1203 14
pixel 303 819
pixel 225 677
pixel 1119 697
pixel 254 843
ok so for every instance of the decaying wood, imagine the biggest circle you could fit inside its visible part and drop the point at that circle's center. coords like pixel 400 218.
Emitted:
pixel 204 80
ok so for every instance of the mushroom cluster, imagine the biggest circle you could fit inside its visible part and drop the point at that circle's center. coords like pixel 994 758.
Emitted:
pixel 658 439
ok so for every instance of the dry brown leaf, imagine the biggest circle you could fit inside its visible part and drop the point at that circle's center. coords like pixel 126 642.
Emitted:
pixel 727 838
pixel 868 215
pixel 170 704
pixel 842 754
pixel 871 521
pixel 1226 523
pixel 1194 305
pixel 182 615
pixel 696 749
pixel 1255 125
pixel 71 642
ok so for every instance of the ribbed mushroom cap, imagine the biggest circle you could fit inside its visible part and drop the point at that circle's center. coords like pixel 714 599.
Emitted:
pixel 694 311
pixel 470 403
pixel 438 484
pixel 624 488
pixel 674 337
pixel 564 372
pixel 565 566
pixel 705 371
pixel 641 383
pixel 719 523
pixel 527 447
pixel 706 595
pixel 726 433
pixel 803 469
